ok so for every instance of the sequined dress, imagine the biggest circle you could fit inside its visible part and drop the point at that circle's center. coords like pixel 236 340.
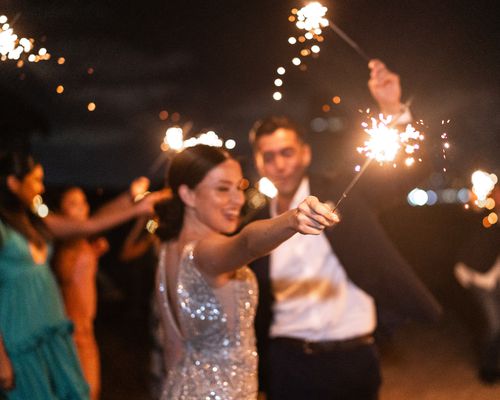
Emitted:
pixel 210 352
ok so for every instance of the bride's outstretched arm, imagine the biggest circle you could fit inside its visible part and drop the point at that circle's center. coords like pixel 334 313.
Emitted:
pixel 219 254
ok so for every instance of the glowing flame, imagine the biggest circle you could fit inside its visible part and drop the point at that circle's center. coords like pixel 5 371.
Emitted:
pixel 483 184
pixel 39 207
pixel 267 188
pixel 12 47
pixel 385 141
pixel 174 138
pixel 209 138
pixel 312 17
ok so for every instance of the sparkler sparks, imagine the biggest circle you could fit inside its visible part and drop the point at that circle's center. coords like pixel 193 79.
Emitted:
pixel 383 145
pixel 483 184
pixel 39 207
pixel 312 19
pixel 12 47
pixel 267 188
pixel 174 141
pixel 385 141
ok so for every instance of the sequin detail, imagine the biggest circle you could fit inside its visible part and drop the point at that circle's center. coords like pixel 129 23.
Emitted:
pixel 219 358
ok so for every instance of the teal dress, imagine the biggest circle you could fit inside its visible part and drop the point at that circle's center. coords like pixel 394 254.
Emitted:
pixel 35 330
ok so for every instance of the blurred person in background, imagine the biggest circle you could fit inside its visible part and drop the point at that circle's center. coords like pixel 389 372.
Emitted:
pixel 38 360
pixel 478 271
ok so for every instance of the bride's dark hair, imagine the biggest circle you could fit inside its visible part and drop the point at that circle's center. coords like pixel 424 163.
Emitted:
pixel 189 167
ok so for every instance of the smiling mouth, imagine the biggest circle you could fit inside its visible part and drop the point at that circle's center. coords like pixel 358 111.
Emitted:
pixel 231 216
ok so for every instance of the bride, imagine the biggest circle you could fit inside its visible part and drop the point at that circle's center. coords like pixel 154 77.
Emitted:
pixel 206 293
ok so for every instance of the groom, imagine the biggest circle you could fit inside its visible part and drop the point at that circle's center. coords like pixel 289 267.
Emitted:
pixel 319 297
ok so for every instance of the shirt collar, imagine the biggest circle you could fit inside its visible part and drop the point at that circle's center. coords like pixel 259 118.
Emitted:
pixel 300 194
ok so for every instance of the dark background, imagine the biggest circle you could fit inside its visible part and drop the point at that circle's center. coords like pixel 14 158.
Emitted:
pixel 214 63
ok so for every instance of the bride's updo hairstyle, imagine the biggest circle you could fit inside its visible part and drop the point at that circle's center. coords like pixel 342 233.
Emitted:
pixel 188 167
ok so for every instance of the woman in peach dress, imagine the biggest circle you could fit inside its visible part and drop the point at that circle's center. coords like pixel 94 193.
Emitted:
pixel 75 263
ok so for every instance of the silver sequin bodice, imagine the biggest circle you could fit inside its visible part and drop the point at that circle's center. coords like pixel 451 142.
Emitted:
pixel 216 356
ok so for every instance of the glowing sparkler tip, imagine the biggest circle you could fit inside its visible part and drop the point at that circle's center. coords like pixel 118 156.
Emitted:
pixel 385 141
pixel 312 16
pixel 483 184
pixel 230 144
pixel 174 138
pixel 267 188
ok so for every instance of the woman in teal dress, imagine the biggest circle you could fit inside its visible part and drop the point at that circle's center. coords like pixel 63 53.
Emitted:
pixel 37 355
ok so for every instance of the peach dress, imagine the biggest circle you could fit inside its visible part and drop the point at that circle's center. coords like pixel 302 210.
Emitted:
pixel 76 264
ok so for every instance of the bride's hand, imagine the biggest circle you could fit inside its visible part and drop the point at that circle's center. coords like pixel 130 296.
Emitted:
pixel 313 216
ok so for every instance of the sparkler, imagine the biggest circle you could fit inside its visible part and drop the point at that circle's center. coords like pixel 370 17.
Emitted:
pixel 174 142
pixel 12 47
pixel 267 188
pixel 383 145
pixel 312 18
pixel 38 207
pixel 483 184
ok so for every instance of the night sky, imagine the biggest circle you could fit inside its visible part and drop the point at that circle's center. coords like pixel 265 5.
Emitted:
pixel 214 63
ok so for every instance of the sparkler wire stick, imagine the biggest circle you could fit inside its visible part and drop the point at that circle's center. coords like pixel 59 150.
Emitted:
pixel 353 182
pixel 349 41
pixel 14 20
pixel 156 165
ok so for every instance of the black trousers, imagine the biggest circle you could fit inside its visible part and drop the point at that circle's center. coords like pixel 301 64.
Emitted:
pixel 294 374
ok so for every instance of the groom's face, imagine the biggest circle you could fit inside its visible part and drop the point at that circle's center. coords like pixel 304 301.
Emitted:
pixel 283 158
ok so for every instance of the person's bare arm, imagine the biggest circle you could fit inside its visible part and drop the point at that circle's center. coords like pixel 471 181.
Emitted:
pixel 111 215
pixel 385 88
pixel 219 254
pixel 137 242
pixel 6 370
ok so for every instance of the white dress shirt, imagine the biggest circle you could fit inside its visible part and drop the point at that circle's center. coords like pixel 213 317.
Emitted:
pixel 488 280
pixel 315 300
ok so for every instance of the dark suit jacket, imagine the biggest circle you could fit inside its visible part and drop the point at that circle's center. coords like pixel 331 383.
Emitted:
pixel 481 248
pixel 369 258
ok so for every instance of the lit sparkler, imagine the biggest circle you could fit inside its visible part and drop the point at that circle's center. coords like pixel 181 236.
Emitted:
pixel 312 18
pixel 174 142
pixel 385 141
pixel 38 207
pixel 267 188
pixel 483 184
pixel 12 47
pixel 384 144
